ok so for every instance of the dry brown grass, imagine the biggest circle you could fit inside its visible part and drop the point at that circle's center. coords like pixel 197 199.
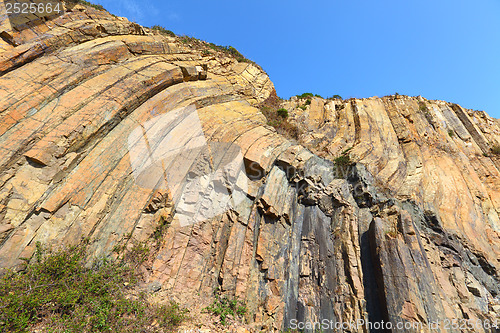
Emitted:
pixel 276 117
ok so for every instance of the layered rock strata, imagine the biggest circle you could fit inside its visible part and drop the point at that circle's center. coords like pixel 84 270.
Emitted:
pixel 409 232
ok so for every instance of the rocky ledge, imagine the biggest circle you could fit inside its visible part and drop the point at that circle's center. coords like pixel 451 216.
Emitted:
pixel 403 228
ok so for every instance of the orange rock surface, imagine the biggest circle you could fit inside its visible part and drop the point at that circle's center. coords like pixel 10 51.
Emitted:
pixel 411 233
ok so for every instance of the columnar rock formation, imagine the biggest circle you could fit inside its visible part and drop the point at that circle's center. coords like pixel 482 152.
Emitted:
pixel 408 233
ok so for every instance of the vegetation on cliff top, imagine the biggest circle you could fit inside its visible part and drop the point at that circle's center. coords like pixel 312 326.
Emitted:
pixel 163 31
pixel 224 307
pixel 86 3
pixel 310 95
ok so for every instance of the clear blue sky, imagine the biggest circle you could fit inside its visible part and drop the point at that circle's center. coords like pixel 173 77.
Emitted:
pixel 440 49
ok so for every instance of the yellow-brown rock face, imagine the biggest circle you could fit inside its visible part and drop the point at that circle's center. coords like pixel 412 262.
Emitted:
pixel 109 131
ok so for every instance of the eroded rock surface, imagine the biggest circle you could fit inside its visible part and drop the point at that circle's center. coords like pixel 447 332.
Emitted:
pixel 410 234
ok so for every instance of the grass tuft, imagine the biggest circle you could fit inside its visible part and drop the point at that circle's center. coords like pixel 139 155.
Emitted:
pixel 225 307
pixel 163 31
pixel 283 113
pixel 343 164
pixel 86 3
pixel 306 95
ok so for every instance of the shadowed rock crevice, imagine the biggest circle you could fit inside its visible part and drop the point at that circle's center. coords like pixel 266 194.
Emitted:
pixel 376 301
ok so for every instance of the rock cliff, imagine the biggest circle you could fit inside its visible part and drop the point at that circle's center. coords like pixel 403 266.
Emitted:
pixel 403 227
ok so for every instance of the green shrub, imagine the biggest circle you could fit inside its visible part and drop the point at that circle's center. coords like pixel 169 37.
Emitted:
pixel 58 292
pixel 343 163
pixel 495 150
pixel 303 107
pixel 189 40
pixel 451 133
pixel 305 95
pixel 223 306
pixel 308 102
pixel 163 31
pixel 162 226
pixel 427 114
pixel 137 254
pixel 274 123
pixel 283 113
pixel 336 97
